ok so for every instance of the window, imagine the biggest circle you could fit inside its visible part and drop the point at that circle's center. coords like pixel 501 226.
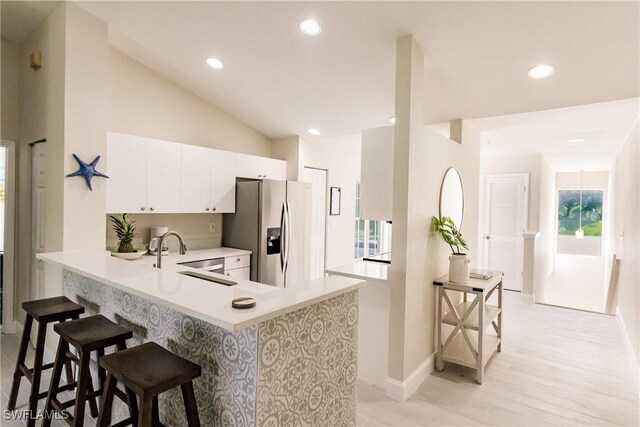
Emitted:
pixel 571 214
pixel 371 237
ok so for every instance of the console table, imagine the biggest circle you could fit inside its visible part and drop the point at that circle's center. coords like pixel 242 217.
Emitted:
pixel 469 344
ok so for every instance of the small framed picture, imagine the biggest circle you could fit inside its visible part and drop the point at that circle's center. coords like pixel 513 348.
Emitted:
pixel 334 202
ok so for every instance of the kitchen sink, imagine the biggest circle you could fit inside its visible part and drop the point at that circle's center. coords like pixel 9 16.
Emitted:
pixel 215 263
pixel 201 276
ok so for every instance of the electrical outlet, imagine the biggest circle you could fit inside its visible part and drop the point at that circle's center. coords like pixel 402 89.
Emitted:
pixel 212 227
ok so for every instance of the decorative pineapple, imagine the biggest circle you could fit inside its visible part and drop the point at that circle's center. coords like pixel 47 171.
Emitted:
pixel 125 230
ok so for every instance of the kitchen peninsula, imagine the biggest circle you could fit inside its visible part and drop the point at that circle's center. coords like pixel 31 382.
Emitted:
pixel 290 360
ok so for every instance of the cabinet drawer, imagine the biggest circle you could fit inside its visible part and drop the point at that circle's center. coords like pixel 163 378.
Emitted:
pixel 234 262
pixel 239 273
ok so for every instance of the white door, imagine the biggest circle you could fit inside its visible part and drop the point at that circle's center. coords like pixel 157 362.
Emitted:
pixel 504 222
pixel 38 183
pixel 223 181
pixel 163 176
pixel 127 170
pixel 195 182
pixel 318 180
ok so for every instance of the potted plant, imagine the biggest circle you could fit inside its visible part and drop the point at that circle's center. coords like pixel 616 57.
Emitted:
pixel 125 230
pixel 458 261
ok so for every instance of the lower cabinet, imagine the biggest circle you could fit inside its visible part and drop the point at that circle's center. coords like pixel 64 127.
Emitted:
pixel 238 267
pixel 239 273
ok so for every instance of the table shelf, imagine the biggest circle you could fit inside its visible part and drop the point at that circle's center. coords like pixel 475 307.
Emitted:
pixel 458 351
pixel 491 313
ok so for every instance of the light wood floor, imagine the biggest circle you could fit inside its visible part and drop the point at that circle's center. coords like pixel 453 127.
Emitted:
pixel 557 367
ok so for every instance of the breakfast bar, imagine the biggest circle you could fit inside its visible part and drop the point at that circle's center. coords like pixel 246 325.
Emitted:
pixel 290 360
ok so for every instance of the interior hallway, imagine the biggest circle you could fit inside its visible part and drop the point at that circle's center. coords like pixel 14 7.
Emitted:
pixel 557 367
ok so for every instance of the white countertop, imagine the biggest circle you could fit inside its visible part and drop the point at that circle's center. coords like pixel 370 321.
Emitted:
pixel 365 270
pixel 207 301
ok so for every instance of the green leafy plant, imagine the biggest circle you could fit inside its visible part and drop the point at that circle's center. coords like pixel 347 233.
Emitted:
pixel 450 233
pixel 125 230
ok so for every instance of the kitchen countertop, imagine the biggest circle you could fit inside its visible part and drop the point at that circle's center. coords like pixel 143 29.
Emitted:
pixel 365 270
pixel 210 302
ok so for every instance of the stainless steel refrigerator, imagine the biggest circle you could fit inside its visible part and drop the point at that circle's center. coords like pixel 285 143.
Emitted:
pixel 273 221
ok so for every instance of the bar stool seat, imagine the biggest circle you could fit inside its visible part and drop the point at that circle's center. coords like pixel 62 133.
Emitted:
pixel 149 370
pixel 95 333
pixel 52 309
pixel 44 311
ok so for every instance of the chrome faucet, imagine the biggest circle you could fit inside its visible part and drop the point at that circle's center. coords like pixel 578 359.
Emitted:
pixel 183 247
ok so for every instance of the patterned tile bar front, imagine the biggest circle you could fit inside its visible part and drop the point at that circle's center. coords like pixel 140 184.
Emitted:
pixel 296 369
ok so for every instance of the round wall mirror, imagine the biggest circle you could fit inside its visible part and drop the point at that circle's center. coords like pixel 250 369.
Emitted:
pixel 452 197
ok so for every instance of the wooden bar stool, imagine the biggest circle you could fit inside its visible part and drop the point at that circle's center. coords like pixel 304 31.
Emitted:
pixel 95 333
pixel 148 370
pixel 44 311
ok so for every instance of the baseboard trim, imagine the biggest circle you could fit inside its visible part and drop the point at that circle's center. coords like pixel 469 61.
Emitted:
pixel 403 390
pixel 633 362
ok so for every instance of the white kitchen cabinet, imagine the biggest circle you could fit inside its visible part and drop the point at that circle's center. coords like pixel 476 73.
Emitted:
pixel 196 179
pixel 376 174
pixel 223 181
pixel 238 267
pixel 260 167
pixel 163 176
pixel 239 273
pixel 127 171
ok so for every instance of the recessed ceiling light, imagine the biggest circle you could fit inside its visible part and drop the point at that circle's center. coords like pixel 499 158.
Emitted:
pixel 310 27
pixel 313 131
pixel 392 119
pixel 215 63
pixel 576 140
pixel 541 71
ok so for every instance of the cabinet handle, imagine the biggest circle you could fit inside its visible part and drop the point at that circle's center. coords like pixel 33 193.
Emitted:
pixel 228 274
pixel 151 209
pixel 238 259
pixel 207 209
pixel 259 176
pixel 264 176
pixel 142 208
pixel 214 209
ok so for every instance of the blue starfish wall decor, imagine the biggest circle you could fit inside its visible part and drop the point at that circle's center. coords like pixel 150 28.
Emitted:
pixel 87 171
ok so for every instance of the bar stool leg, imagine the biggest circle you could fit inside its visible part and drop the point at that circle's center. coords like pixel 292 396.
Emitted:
pixel 63 347
pixel 190 405
pixel 106 404
pixel 81 392
pixel 145 416
pixel 132 399
pixel 22 354
pixel 37 374
pixel 155 411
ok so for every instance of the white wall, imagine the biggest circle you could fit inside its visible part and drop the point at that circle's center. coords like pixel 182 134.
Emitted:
pixel 9 87
pixel 41 116
pixel 627 222
pixel 519 164
pixel 340 156
pixel 141 102
pixel 545 245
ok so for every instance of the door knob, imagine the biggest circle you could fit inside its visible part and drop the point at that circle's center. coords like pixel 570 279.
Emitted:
pixel 214 208
pixel 142 208
pixel 151 208
pixel 207 209
pixel 487 237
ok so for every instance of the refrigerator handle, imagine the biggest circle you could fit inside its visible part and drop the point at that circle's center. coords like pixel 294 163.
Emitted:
pixel 287 239
pixel 282 236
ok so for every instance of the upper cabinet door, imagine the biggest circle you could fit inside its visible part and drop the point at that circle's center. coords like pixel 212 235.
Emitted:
pixel 261 167
pixel 163 177
pixel 195 182
pixel 127 170
pixel 223 181
pixel 376 172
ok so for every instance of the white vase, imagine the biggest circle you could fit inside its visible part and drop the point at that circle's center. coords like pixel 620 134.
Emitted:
pixel 459 268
